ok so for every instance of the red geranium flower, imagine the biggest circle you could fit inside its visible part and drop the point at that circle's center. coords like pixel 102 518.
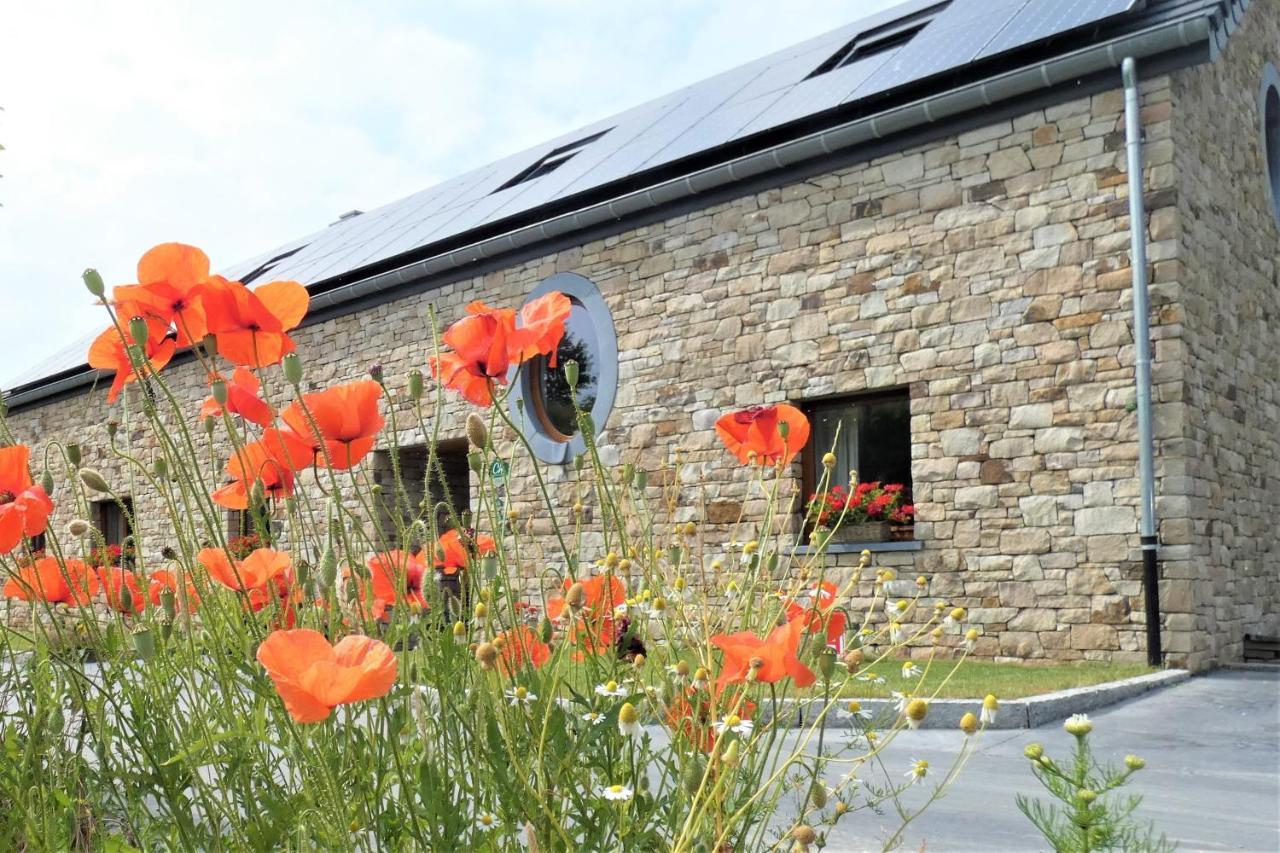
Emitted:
pixel 753 435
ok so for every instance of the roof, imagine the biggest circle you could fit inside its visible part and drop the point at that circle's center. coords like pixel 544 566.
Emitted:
pixel 915 54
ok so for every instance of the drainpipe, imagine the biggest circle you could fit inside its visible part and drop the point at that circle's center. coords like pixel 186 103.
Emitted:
pixel 1142 340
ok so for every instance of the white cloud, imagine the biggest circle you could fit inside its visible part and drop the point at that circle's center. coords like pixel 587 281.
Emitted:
pixel 239 126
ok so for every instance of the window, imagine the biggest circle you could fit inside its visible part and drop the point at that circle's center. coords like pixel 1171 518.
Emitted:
pixel 1269 109
pixel 450 483
pixel 542 402
pixel 113 520
pixel 552 161
pixel 869 434
pixel 880 39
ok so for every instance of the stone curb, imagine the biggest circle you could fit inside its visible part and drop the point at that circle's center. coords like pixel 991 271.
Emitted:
pixel 1014 713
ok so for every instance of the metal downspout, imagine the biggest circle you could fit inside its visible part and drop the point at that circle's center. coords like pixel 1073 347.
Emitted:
pixel 1142 340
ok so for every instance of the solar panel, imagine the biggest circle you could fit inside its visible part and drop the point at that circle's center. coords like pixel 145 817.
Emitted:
pixel 1042 19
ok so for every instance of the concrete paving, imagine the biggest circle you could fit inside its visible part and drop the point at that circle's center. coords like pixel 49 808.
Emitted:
pixel 1212 780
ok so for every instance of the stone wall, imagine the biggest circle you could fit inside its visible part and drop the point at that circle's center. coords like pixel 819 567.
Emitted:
pixel 1223 492
pixel 988 273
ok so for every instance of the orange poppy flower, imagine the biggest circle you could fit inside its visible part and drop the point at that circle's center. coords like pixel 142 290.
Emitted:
pixel 253 572
pixel 451 551
pixel 596 604
pixel 162 579
pixel 752 434
pixel 693 715
pixel 347 418
pixel 251 326
pixel 171 280
pixel 47 580
pixel 24 506
pixel 487 342
pixel 107 352
pixel 820 612
pixel 112 581
pixel 273 460
pixel 242 399
pixel 777 653
pixel 313 677
pixel 397 579
pixel 520 646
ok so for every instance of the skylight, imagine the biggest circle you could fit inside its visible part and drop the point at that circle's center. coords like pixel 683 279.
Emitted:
pixel 880 39
pixel 552 161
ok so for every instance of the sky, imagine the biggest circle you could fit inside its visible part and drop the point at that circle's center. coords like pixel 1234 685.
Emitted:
pixel 238 126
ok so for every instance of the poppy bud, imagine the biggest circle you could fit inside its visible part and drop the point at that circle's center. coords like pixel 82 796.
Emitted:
pixel 219 390
pixel 113 427
pixel 292 368
pixel 257 494
pixel 144 642
pixel 138 331
pixel 784 429
pixel 161 467
pixel 818 795
pixel 94 480
pixel 375 372
pixel 209 425
pixel 489 566
pixel 693 776
pixel 642 479
pixel 93 282
pixel 210 344
pixel 46 482
pixel 477 434
pixel 78 527
pixel 730 755
pixel 544 629
pixel 586 424
pixel 168 602
pixel 73 454
pixel 328 567
pixel 415 384
pixel 571 373
pixel 475 461
pixel 827 662
pixel 126 598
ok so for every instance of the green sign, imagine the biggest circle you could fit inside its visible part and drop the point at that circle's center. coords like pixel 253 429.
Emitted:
pixel 498 471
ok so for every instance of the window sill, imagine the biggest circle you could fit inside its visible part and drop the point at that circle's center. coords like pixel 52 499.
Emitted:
pixel 859 547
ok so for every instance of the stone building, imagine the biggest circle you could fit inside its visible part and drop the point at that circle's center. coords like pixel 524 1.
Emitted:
pixel 916 226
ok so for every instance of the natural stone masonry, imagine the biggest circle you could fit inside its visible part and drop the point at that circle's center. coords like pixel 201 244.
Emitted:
pixel 988 273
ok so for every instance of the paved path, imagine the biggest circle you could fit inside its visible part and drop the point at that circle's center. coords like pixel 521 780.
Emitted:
pixel 1212 780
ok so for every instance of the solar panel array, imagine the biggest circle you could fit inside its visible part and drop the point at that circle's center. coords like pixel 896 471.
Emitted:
pixel 756 97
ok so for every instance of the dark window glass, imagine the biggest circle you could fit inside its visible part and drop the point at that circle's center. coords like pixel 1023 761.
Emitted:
pixel 112 521
pixel 553 401
pixel 449 483
pixel 1271 120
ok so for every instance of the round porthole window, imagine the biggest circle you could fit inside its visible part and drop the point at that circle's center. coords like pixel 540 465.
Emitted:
pixel 1269 109
pixel 546 403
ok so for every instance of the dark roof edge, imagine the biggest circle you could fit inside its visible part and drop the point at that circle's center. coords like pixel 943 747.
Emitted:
pixel 1181 42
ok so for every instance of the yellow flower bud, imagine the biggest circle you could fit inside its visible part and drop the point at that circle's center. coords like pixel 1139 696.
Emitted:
pixel 968 724
pixel 482 610
pixel 828 460
pixel 628 713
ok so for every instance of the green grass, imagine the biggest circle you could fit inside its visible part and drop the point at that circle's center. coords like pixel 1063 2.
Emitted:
pixel 976 679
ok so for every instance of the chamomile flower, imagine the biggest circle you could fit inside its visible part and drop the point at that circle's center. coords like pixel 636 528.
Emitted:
pixel 900 701
pixel 521 696
pixel 870 678
pixel 989 708
pixel 919 770
pixel 486 822
pixel 629 720
pixel 970 639
pixel 895 632
pixel 956 616
pixel 679 671
pixel 735 724
pixel 916 711
pixel 617 793
pixel 856 710
pixel 610 688
pixel 595 718
pixel 910 670
pixel 700 678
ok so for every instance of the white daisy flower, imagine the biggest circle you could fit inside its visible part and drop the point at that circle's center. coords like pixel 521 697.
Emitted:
pixel 919 769
pixel 895 632
pixel 521 696
pixel 617 793
pixel 610 688
pixel 910 670
pixel 735 724
pixel 487 822
pixel 900 701
pixel 595 718
pixel 989 708
pixel 870 677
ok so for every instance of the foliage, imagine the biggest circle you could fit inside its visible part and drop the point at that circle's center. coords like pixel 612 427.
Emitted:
pixel 1092 815
pixel 874 501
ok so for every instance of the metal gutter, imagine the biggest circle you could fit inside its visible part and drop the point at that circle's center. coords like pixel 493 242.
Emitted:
pixel 1178 33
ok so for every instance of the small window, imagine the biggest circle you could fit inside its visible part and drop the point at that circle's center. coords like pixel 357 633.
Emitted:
pixel 449 484
pixel 869 434
pixel 114 520
pixel 543 403
pixel 552 161
pixel 880 39
pixel 1269 107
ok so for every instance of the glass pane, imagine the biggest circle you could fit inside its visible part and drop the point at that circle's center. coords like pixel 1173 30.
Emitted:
pixel 884 442
pixel 835 429
pixel 579 343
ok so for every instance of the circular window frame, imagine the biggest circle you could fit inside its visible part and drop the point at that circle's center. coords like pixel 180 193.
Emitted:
pixel 1270 142
pixel 549 443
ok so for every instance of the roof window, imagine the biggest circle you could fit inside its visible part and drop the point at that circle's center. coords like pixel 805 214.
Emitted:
pixel 880 39
pixel 551 161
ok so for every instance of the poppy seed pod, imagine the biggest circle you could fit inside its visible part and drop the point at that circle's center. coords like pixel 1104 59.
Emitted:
pixel 477 433
pixel 292 368
pixel 93 282
pixel 94 480
pixel 161 467
pixel 138 331
pixel 126 598
pixel 415 384
pixel 73 454
pixel 210 344
pixel 210 424
pixel 46 482
pixel 784 429
pixel 78 527
pixel 168 602
pixel 113 427
pixel 827 662
pixel 571 373
pixel 642 479
pixel 144 642
pixel 544 629
pixel 218 389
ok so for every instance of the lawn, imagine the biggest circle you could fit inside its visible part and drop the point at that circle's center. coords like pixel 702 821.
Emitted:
pixel 975 679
